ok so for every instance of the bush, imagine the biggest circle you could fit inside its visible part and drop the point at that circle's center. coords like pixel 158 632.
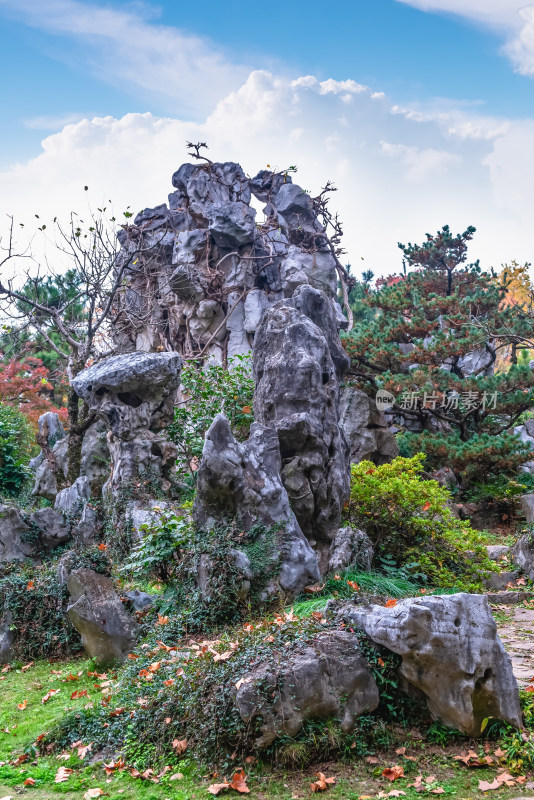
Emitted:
pixel 209 391
pixel 407 518
pixel 16 441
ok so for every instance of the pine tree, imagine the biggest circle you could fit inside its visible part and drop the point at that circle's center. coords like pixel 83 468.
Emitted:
pixel 432 342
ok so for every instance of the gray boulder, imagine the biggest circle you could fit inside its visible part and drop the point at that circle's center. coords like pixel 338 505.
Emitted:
pixel 297 395
pixel 318 269
pixel 497 551
pixel 350 548
pixel 108 632
pixel 72 500
pixel 527 507
pixel 14 545
pixel 53 530
pixel 328 679
pixel 140 600
pixel 232 225
pixel 243 481
pixel 366 428
pixel 451 653
pixel 7 639
pixel 523 554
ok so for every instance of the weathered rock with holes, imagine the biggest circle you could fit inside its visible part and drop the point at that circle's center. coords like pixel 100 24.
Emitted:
pixel 51 525
pixel 7 638
pixel 523 554
pixel 527 507
pixel 242 481
pixel 327 679
pixel 350 548
pixel 108 632
pixel 71 501
pixel 366 428
pixel 95 456
pixel 296 393
pixel 134 394
pixel 14 531
pixel 451 653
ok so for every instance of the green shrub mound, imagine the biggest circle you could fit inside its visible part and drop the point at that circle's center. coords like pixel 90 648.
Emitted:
pixel 16 442
pixel 409 521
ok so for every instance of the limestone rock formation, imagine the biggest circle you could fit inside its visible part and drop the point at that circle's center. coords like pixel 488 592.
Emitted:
pixel 14 546
pixel 523 554
pixel 366 428
pixel 527 507
pixel 206 268
pixel 296 393
pixel 328 679
pixel 52 527
pixel 96 611
pixel 350 548
pixel 72 500
pixel 134 393
pixel 243 481
pixel 53 463
pixel 451 652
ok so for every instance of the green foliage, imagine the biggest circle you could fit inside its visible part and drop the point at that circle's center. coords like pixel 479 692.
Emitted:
pixel 154 556
pixel 441 311
pixel 210 390
pixel 16 442
pixel 201 569
pixel 35 605
pixel 483 453
pixel 407 518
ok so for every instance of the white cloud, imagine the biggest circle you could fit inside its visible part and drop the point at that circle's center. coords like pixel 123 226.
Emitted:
pixel 53 122
pixel 398 175
pixel 513 18
pixel 128 49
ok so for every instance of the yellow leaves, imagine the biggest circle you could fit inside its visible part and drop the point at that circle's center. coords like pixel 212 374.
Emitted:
pixel 322 782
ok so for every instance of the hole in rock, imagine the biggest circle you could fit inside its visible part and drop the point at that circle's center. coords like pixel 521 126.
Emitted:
pixel 129 399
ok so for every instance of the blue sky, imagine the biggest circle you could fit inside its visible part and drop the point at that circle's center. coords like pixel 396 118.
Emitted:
pixel 443 126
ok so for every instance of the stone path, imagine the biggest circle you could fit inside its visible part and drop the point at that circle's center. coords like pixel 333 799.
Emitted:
pixel 517 635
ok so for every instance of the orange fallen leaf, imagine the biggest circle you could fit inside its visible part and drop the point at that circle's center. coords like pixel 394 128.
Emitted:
pixel 392 773
pixel 27 666
pixel 62 774
pixel 426 506
pixel 314 589
pixel 180 745
pixel 102 546
pixel 22 706
pixel 48 695
pixel 162 620
pixel 391 602
pixel 322 782
pixel 30 585
pixel 78 693
pixel 353 585
pixel 29 782
pixel 92 793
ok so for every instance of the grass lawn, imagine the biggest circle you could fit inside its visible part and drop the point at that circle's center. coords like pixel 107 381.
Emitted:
pixel 33 776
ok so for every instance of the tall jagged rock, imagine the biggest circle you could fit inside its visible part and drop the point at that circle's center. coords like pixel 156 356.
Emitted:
pixel 206 268
pixel 134 394
pixel 366 428
pixel 242 481
pixel 297 394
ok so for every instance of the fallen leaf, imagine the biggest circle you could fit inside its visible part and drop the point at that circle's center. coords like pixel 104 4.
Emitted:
pixel 314 589
pixel 27 666
pixel 83 749
pixel 91 793
pixel 499 753
pixel 391 602
pixel 162 620
pixel 29 782
pixel 180 745
pixel 239 782
pixel 22 706
pixel 30 585
pixel 176 777
pixel 353 585
pixel 372 760
pixel 437 790
pixel 49 694
pixel 78 693
pixel 215 788
pixel 62 774
pixel 395 793
pixel 485 786
pixel 426 506
pixel 322 782
pixel 400 751
pixel 392 773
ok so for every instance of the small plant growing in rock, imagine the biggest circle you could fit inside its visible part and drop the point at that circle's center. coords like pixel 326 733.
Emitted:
pixel 207 392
